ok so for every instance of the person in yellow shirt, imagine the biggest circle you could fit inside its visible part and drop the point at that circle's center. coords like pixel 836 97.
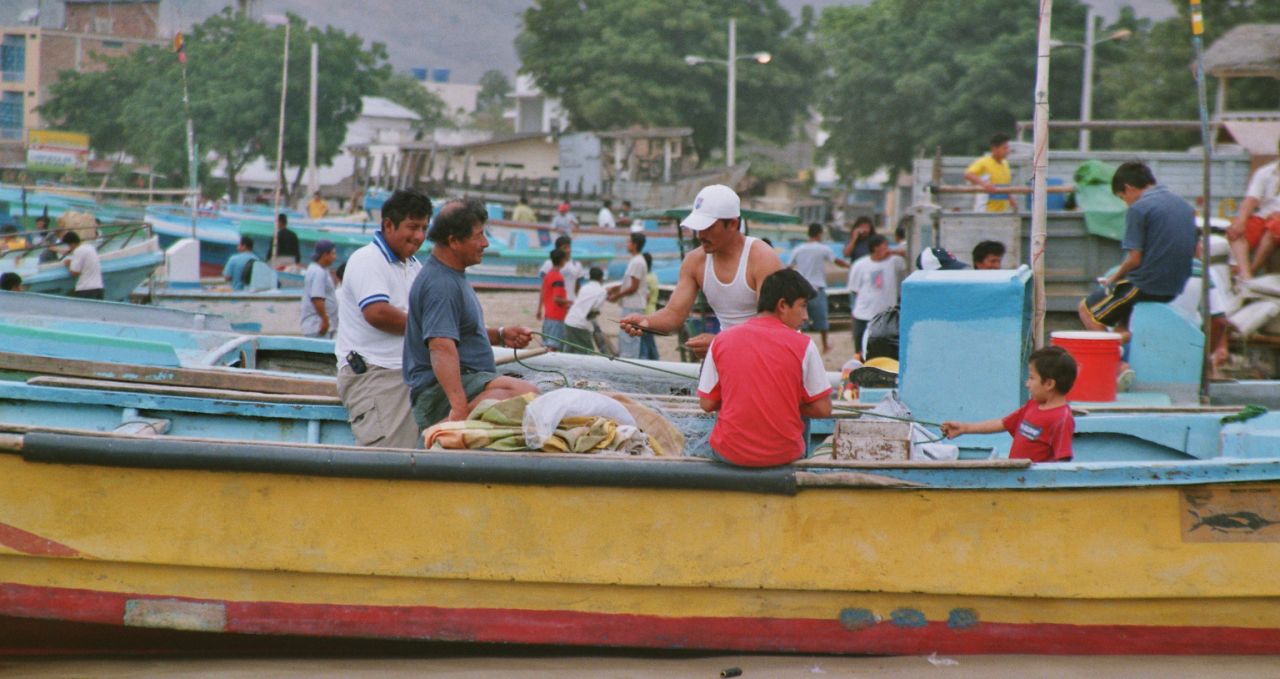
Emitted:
pixel 992 171
pixel 317 208
pixel 523 213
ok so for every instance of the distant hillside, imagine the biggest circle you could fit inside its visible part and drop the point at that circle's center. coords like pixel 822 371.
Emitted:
pixel 466 36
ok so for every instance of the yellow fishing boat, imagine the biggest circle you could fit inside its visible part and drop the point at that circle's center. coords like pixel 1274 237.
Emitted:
pixel 860 557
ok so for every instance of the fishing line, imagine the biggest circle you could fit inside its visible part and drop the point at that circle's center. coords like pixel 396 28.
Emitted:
pixel 590 350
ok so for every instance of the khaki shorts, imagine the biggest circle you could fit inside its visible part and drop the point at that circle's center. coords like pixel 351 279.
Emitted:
pixel 377 405
pixel 432 405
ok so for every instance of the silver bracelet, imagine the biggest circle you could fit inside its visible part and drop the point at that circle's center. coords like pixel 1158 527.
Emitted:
pixel 502 339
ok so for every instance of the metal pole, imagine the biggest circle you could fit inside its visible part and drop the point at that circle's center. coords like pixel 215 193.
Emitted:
pixel 1086 94
pixel 284 89
pixel 1041 166
pixel 730 156
pixel 313 184
pixel 193 180
pixel 1206 142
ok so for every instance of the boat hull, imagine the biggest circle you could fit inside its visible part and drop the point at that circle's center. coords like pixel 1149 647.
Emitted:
pixel 710 558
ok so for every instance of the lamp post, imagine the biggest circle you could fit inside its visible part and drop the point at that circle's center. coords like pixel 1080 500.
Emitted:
pixel 731 63
pixel 1086 93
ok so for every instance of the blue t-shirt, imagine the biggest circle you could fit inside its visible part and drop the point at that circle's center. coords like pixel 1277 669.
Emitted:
pixel 236 269
pixel 1163 227
pixel 442 304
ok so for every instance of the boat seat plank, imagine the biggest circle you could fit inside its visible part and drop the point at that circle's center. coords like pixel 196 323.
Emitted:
pixel 172 390
pixel 183 377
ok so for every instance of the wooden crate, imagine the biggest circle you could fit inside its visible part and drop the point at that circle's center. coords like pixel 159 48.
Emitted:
pixel 872 440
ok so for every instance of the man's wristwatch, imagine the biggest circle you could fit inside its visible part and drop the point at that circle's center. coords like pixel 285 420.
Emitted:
pixel 502 336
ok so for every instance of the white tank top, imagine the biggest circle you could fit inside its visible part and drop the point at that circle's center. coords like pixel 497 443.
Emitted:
pixel 733 302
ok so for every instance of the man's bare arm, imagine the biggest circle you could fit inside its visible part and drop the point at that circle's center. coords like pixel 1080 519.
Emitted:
pixel 386 318
pixel 1131 261
pixel 448 372
pixel 669 317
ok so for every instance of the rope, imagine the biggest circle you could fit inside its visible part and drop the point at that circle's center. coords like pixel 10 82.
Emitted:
pixel 591 350
pixel 515 354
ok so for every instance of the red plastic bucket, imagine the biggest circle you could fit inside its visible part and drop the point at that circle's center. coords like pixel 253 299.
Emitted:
pixel 1097 357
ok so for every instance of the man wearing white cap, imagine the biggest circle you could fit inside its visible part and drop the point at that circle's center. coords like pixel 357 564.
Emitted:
pixel 725 254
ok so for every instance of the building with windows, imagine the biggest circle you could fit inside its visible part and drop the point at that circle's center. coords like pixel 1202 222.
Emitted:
pixel 32 56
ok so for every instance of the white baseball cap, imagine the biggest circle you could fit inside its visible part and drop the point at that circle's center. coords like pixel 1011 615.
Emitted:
pixel 713 203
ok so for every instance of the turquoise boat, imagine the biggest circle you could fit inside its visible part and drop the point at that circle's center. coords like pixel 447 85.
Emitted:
pixel 128 253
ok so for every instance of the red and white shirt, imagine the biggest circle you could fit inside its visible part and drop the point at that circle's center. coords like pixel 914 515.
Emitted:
pixel 761 371
pixel 1040 435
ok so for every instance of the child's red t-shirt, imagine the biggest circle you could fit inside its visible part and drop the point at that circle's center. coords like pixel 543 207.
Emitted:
pixel 553 287
pixel 1040 435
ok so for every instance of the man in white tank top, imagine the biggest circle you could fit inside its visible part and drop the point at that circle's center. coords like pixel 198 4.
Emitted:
pixel 728 268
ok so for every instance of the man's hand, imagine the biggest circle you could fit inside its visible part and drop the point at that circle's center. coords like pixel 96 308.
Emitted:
pixel 517 337
pixel 952 429
pixel 634 324
pixel 457 414
pixel 700 344
pixel 324 327
pixel 1236 230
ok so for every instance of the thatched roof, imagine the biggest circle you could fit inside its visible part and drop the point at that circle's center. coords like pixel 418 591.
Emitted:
pixel 1248 50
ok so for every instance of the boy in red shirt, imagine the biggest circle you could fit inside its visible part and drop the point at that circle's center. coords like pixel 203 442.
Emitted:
pixel 1042 427
pixel 555 302
pixel 764 376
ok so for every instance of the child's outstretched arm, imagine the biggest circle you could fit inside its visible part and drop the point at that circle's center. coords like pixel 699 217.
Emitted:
pixel 954 429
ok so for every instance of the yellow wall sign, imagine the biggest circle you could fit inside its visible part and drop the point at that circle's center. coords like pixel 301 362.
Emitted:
pixel 57 151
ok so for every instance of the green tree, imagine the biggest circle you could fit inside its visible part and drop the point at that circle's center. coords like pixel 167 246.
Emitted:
pixel 494 88
pixel 1152 75
pixel 135 104
pixel 618 63
pixel 407 91
pixel 906 75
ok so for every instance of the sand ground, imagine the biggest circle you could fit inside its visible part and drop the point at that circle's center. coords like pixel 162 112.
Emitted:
pixel 652 666
pixel 520 307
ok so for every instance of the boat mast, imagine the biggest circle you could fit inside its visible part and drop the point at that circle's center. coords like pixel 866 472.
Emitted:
pixel 284 89
pixel 179 46
pixel 1040 165
pixel 1206 144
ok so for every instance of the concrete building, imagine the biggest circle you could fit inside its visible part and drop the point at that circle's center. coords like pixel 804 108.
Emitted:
pixel 32 56
pixel 459 99
pixel 535 111
pixel 375 137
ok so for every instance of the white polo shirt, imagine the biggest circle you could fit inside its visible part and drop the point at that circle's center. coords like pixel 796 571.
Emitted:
pixel 374 274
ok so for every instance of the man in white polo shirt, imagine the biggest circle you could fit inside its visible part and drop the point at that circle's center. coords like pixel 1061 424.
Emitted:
pixel 372 309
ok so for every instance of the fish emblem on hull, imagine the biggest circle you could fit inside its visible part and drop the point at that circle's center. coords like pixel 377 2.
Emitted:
pixel 1235 522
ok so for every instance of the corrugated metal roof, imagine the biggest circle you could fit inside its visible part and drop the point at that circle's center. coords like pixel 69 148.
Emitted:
pixel 1248 50
pixel 381 107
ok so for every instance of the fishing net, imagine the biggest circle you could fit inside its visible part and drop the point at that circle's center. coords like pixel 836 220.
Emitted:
pixel 675 398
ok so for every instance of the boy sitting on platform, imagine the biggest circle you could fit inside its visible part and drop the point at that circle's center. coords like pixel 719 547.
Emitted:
pixel 1041 428
pixel 764 376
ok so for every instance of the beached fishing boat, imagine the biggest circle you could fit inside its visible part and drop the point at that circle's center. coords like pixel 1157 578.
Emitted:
pixel 128 254
pixel 1158 538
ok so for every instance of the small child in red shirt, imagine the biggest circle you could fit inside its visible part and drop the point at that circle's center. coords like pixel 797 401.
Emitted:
pixel 1041 428
pixel 554 304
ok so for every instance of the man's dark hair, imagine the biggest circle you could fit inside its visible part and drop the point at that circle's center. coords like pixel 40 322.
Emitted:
pixel 639 240
pixel 406 203
pixel 1054 363
pixel 558 257
pixel 766 241
pixel 626 203
pixel 9 228
pixel 998 139
pixel 341 271
pixel 865 220
pixel 456 219
pixel 1133 173
pixel 524 199
pixel 648 260
pixel 596 274
pixel 607 203
pixel 247 241
pixel 563 241
pixel 876 241
pixel 10 281
pixel 815 229
pixel 785 285
pixel 71 238
pixel 282 219
pixel 985 249
pixel 42 220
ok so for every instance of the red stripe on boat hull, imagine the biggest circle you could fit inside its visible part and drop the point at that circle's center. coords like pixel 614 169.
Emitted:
pixel 30 543
pixel 572 628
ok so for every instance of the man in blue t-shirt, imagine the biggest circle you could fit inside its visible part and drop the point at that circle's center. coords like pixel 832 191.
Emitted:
pixel 448 362
pixel 1160 241
pixel 239 267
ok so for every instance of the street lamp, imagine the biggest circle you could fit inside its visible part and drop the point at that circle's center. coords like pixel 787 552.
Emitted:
pixel 732 64
pixel 1086 95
